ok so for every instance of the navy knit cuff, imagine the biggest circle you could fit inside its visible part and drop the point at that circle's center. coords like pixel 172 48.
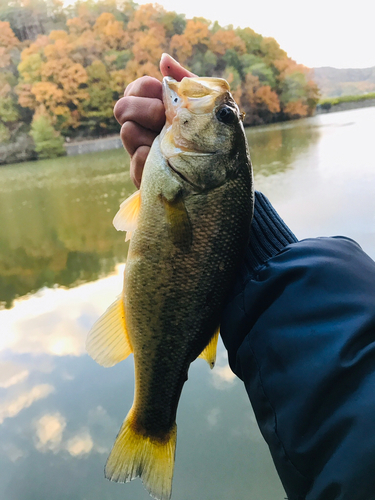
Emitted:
pixel 269 234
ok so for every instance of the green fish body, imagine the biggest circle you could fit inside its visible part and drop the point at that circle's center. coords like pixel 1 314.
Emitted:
pixel 189 226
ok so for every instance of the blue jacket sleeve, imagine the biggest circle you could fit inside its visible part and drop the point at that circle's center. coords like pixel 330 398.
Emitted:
pixel 300 332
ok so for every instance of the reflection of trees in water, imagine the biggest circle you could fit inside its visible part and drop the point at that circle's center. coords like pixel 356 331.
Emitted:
pixel 56 215
pixel 56 222
pixel 276 148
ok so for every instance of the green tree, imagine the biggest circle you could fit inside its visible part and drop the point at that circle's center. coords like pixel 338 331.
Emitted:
pixel 48 142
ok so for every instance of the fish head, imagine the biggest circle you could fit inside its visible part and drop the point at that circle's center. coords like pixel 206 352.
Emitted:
pixel 203 140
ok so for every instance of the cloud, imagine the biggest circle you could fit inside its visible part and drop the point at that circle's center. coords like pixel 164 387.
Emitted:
pixel 80 445
pixel 49 432
pixel 11 374
pixel 222 376
pixel 12 407
pixel 213 417
pixel 13 452
pixel 57 321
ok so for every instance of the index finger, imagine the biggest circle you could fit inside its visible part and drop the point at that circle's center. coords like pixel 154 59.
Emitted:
pixel 170 67
pixel 146 86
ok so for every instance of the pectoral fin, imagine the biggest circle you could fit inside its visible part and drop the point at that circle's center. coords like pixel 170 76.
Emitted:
pixel 209 352
pixel 179 226
pixel 108 341
pixel 126 218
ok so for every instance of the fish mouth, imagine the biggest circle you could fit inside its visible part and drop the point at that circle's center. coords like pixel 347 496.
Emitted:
pixel 197 94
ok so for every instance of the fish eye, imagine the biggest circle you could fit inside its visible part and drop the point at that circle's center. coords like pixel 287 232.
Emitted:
pixel 226 115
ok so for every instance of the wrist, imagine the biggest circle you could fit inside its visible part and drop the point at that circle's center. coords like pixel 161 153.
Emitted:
pixel 268 235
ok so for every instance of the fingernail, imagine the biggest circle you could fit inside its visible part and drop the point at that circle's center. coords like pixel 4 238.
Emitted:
pixel 164 54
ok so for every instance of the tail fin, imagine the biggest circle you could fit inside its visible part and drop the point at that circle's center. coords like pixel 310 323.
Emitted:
pixel 136 455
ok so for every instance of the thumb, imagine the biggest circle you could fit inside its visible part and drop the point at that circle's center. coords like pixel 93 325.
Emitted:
pixel 170 67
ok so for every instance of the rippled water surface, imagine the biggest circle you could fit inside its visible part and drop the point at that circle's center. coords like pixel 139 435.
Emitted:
pixel 61 265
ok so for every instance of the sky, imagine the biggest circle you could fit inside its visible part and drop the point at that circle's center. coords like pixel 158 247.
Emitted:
pixel 315 33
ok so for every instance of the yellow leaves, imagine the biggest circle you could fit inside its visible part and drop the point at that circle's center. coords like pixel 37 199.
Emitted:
pixel 119 79
pixel 35 48
pixel 75 75
pixel 145 17
pixel 224 40
pixel 111 31
pixel 30 68
pixel 58 35
pixel 77 25
pixel 197 32
pixel 47 93
pixel 271 50
pixel 135 70
pixel 181 48
pixel 150 46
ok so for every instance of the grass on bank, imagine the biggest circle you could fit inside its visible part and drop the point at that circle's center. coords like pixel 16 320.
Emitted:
pixel 346 98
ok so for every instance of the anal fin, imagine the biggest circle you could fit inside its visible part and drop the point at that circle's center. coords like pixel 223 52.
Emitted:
pixel 108 341
pixel 209 352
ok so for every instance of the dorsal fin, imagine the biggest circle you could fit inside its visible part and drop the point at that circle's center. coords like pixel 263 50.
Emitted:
pixel 209 352
pixel 127 217
pixel 108 341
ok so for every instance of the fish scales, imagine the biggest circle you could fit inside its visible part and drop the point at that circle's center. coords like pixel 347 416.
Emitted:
pixel 193 216
pixel 178 283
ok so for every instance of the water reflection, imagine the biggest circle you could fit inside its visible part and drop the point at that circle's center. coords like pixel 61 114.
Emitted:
pixel 55 222
pixel 59 270
pixel 60 412
pixel 275 148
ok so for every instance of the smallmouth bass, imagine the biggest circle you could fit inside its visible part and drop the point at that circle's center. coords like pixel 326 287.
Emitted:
pixel 189 225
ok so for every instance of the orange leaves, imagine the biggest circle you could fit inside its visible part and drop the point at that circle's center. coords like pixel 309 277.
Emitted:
pixel 76 73
pixel 264 95
pixel 110 31
pixel 296 109
pixel 148 35
pixel 145 17
pixel 49 95
pixel 197 32
pixel 224 40
pixel 181 48
pixel 8 42
pixel 259 102
pixel 7 38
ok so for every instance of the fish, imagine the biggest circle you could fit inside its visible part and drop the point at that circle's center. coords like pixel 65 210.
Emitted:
pixel 188 226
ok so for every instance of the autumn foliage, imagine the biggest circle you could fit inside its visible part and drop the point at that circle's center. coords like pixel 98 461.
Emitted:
pixel 75 68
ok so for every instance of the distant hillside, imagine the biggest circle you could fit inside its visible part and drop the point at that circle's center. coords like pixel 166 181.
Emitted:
pixel 335 82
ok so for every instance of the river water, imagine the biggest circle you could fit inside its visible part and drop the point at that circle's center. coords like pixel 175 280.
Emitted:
pixel 61 265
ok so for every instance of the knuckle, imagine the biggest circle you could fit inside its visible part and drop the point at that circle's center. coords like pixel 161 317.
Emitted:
pixel 141 87
pixel 147 85
pixel 127 134
pixel 119 109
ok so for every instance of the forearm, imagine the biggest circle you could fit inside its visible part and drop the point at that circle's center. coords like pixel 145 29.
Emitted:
pixel 300 333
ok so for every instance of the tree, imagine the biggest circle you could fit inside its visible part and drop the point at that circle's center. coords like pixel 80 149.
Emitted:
pixel 48 142
pixel 77 60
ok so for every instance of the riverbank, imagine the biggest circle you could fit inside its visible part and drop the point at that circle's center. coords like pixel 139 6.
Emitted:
pixel 341 104
pixel 114 141
pixel 93 145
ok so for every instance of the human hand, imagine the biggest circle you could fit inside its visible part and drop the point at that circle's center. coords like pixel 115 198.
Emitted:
pixel 141 114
